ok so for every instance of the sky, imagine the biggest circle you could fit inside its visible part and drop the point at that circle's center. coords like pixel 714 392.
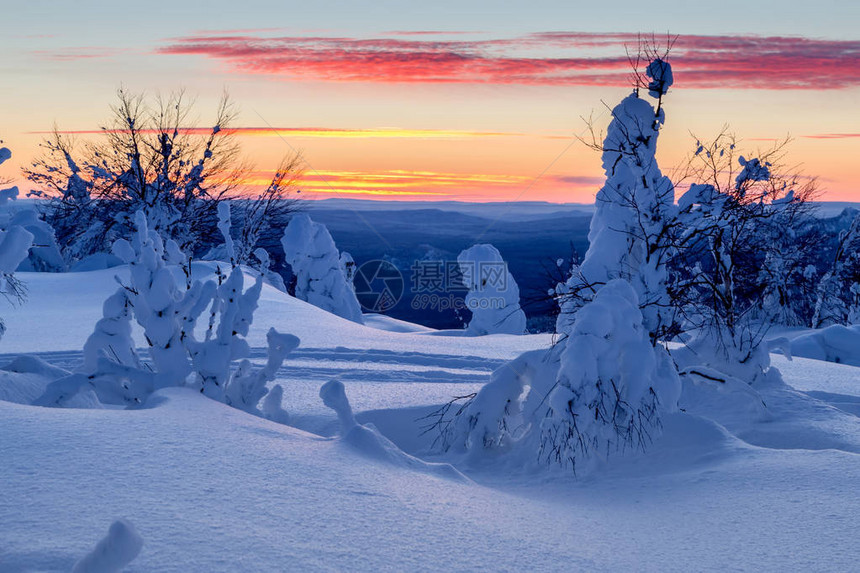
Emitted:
pixel 468 101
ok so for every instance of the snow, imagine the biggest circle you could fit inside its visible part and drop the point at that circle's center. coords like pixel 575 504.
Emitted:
pixel 600 391
pixel 837 343
pixel 661 76
pixel 321 273
pixel 632 211
pixel 494 297
pixel 118 548
pixel 15 245
pixel 212 488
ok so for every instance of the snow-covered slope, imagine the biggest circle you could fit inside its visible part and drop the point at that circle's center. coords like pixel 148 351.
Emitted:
pixel 62 309
pixel 210 488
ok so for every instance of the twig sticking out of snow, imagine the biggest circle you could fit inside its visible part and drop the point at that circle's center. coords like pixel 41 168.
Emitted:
pixel 334 396
pixel 117 549
pixel 224 223
pixel 368 441
pixel 272 408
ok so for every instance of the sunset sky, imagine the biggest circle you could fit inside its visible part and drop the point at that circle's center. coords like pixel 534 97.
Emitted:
pixel 444 100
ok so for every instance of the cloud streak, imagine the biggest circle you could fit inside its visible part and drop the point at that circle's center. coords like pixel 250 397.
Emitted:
pixel 833 136
pixel 321 132
pixel 75 54
pixel 550 58
pixel 406 184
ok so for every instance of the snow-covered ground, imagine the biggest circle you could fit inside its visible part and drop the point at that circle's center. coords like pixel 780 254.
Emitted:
pixel 211 488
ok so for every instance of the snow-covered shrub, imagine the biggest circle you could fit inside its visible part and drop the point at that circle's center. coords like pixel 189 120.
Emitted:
pixel 118 548
pixel 599 391
pixel 269 275
pixel 15 243
pixel 45 253
pixel 112 335
pixel 628 237
pixel 248 385
pixel 316 263
pixel 836 294
pixel 168 314
pixel 740 265
pixel 272 407
pixel 494 297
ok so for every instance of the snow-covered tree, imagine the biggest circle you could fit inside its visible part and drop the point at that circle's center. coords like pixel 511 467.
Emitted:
pixel 151 157
pixel 15 243
pixel 45 254
pixel 612 384
pixel 347 266
pixel 601 390
pixel 835 295
pixel 494 297
pixel 629 233
pixel 316 263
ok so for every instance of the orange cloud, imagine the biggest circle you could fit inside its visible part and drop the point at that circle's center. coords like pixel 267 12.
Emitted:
pixel 833 136
pixel 320 132
pixel 405 184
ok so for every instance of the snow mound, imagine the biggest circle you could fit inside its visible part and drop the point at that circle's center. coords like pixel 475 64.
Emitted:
pixel 721 398
pixel 837 343
pixel 116 550
pixel 26 364
pixel 383 322
pixel 368 441
pixel 96 262
pixel 25 378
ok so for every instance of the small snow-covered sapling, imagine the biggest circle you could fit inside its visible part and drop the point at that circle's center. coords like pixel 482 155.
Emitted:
pixel 117 549
pixel 334 396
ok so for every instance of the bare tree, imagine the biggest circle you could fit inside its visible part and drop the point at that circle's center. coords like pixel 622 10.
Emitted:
pixel 739 261
pixel 151 156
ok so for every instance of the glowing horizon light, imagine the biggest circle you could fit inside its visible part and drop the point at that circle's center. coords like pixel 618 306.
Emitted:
pixel 309 132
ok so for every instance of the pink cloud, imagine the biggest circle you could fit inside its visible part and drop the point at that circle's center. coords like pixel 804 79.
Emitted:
pixel 832 136
pixel 734 62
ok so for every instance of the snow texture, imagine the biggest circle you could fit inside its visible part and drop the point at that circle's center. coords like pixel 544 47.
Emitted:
pixel 711 479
